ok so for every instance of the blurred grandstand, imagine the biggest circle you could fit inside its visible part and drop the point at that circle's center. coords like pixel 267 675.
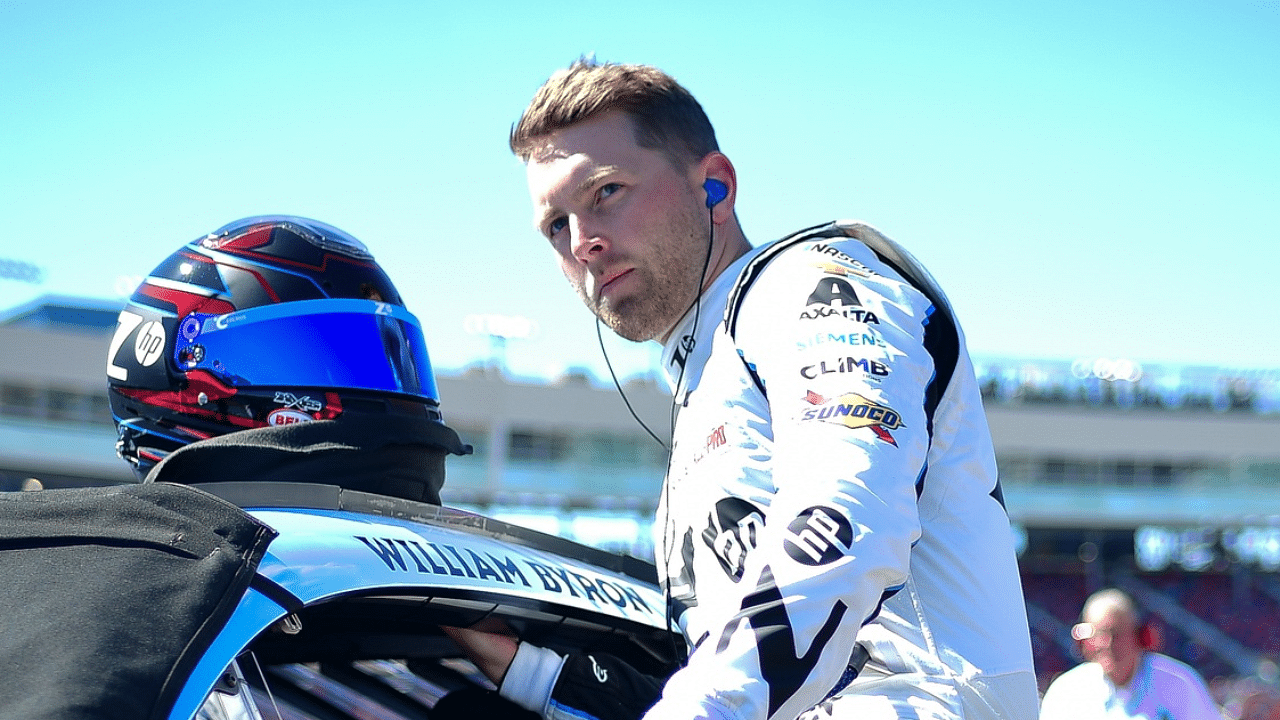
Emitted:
pixel 1163 480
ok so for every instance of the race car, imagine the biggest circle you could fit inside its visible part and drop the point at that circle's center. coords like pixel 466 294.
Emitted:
pixel 284 553
pixel 285 600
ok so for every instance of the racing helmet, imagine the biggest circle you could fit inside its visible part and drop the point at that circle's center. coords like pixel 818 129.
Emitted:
pixel 268 320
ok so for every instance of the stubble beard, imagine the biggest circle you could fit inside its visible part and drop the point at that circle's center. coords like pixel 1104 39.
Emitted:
pixel 668 285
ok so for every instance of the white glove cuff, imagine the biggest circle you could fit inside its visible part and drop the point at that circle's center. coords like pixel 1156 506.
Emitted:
pixel 531 677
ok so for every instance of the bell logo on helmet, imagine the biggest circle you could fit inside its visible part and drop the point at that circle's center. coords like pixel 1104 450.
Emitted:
pixel 287 416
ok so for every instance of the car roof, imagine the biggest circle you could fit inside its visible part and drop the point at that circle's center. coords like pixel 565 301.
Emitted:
pixel 355 587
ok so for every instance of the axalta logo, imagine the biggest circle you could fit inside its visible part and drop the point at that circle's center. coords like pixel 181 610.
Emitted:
pixel 834 291
pixel 836 296
pixel 855 314
pixel 854 411
pixel 287 416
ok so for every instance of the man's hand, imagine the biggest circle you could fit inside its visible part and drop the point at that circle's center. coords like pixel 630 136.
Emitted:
pixel 490 644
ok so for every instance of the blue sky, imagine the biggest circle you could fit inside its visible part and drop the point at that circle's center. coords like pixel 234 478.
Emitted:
pixel 1088 179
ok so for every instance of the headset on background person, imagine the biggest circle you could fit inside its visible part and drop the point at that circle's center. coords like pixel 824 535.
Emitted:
pixel 1148 633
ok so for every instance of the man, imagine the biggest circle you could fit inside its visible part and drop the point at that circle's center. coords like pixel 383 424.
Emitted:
pixel 833 540
pixel 1122 677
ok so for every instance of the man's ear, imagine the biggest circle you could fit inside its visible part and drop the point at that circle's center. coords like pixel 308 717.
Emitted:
pixel 716 171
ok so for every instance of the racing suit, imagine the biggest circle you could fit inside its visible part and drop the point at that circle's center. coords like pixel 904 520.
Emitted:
pixel 832 497
pixel 832 536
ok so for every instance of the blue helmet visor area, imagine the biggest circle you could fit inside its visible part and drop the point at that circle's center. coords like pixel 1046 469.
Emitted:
pixel 332 343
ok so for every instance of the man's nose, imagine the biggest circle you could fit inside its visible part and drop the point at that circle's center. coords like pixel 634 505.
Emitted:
pixel 586 239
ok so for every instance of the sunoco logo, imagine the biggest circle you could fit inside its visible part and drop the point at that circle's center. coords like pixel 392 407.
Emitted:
pixel 854 411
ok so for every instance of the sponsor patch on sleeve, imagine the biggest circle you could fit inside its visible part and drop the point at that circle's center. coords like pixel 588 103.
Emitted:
pixel 853 411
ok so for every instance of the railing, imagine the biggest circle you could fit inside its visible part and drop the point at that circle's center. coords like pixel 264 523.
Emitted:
pixel 1126 384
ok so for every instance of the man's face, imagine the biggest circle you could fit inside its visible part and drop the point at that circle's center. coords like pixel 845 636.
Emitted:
pixel 629 228
pixel 1113 644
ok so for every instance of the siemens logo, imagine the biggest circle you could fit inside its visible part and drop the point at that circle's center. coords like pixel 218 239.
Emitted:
pixel 867 337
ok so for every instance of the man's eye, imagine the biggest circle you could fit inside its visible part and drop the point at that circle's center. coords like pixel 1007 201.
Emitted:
pixel 607 189
pixel 555 226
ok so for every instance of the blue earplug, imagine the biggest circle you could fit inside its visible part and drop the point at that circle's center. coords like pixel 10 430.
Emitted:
pixel 716 191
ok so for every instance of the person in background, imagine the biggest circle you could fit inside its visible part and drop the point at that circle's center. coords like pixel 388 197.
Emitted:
pixel 1123 676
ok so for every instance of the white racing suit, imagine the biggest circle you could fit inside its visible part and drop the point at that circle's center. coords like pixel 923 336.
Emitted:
pixel 831 507
pixel 831 535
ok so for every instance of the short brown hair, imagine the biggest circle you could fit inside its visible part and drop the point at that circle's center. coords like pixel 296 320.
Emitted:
pixel 666 116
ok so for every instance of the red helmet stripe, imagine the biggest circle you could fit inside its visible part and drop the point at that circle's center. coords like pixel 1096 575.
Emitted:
pixel 186 302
